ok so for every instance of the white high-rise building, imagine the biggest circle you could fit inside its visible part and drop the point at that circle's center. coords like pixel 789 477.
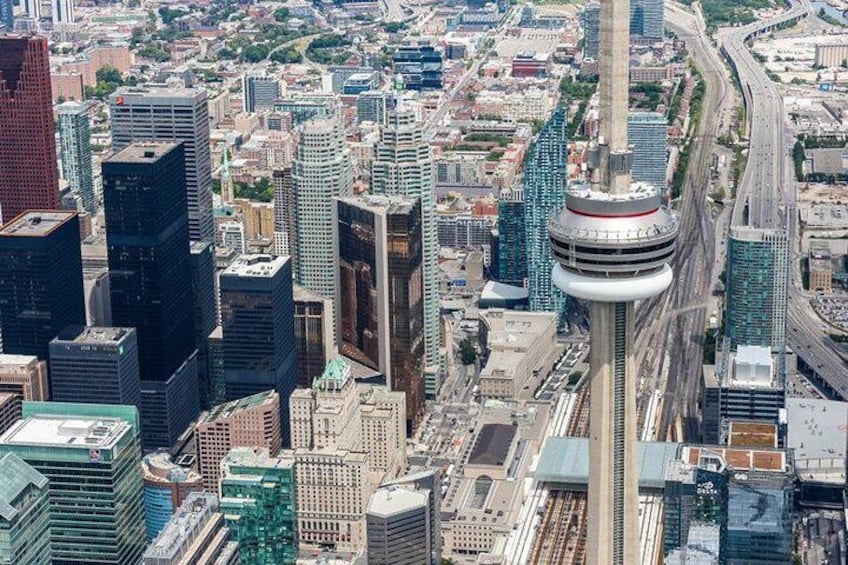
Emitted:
pixel 172 114
pixel 63 12
pixel 403 165
pixel 32 8
pixel 321 170
pixel 75 143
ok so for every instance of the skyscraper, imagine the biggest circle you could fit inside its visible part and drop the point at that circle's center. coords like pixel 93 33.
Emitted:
pixel 591 19
pixel 29 177
pixel 379 294
pixel 259 92
pixel 259 503
pixel 91 456
pixel 757 282
pixel 252 421
pixel 205 310
pixel 257 316
pixel 24 520
pixel 648 133
pixel 40 280
pixel 321 170
pixel 403 166
pixel 63 12
pixel 171 114
pixel 7 14
pixel 545 181
pixel 612 242
pixel 32 8
pixel 646 20
pixel 371 107
pixel 95 365
pixel 151 282
pixel 166 486
pixel 23 375
pixel 314 334
pixel 512 238
pixel 284 224
pixel 398 527
pixel 75 143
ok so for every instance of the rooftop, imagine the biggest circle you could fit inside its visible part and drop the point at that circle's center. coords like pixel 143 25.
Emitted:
pixel 192 514
pixel 566 460
pixel 492 444
pixel 752 434
pixel 260 457
pixel 393 500
pixel 257 265
pixel 816 431
pixel 495 290
pixel 36 223
pixel 771 460
pixel 17 476
pixel 93 335
pixel 78 433
pixel 381 203
pixel 143 152
pixel 14 360
pixel 227 409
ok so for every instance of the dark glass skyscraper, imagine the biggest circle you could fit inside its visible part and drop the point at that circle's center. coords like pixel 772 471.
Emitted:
pixel 380 294
pixel 205 315
pixel 40 280
pixel 29 175
pixel 151 282
pixel 257 317
pixel 545 180
pixel 95 366
pixel 512 250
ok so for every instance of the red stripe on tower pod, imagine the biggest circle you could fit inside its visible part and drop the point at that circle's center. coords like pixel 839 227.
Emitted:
pixel 634 215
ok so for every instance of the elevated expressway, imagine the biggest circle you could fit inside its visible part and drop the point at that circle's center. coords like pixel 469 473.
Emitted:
pixel 767 189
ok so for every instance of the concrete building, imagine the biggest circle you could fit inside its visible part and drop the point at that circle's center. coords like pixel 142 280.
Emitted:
pixel 259 92
pixel 24 513
pixel 321 171
pixel 284 210
pixel 346 440
pixel 231 234
pixel 41 280
pixel 176 115
pixel 398 527
pixel 98 301
pixel 75 144
pixel 748 385
pixel 314 334
pixel 25 376
pixel 821 267
pixel 647 132
pixel 196 533
pixel 253 421
pixel 166 486
pixel 545 179
pixel 10 410
pixel 832 55
pixel 371 106
pixel 62 12
pixel 519 349
pixel 403 166
pixel 259 501
pixel 71 444
pixel 612 243
pixel 379 290
pixel 95 365
pixel 144 196
pixel 757 282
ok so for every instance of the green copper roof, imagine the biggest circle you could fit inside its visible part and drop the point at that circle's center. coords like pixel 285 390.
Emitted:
pixel 335 373
pixel 15 476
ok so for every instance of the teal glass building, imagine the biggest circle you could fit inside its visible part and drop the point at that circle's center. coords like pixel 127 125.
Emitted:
pixel 91 455
pixel 24 513
pixel 512 250
pixel 756 288
pixel 545 181
pixel 258 503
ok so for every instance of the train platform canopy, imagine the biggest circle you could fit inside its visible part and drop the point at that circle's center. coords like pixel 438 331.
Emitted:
pixel 565 460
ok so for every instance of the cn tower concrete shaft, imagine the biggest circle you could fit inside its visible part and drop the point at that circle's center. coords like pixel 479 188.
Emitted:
pixel 613 528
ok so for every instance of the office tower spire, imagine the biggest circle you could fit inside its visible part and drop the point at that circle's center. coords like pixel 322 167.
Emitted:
pixel 613 241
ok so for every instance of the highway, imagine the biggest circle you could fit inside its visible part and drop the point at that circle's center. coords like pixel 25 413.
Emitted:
pixel 676 320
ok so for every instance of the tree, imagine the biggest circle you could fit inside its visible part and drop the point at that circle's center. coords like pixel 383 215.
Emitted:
pixel 282 14
pixel 467 351
pixel 109 73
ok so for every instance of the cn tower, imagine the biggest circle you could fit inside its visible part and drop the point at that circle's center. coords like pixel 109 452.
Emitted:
pixel 612 243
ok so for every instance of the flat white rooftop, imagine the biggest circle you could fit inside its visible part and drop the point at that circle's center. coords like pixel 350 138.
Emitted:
pixel 393 500
pixel 255 266
pixel 66 432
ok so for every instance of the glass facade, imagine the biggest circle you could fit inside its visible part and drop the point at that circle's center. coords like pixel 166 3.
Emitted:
pixel 647 132
pixel 512 250
pixel 147 234
pixel 757 281
pixel 92 458
pixel 258 503
pixel 545 181
pixel 759 519
pixel 24 514
pixel 75 144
